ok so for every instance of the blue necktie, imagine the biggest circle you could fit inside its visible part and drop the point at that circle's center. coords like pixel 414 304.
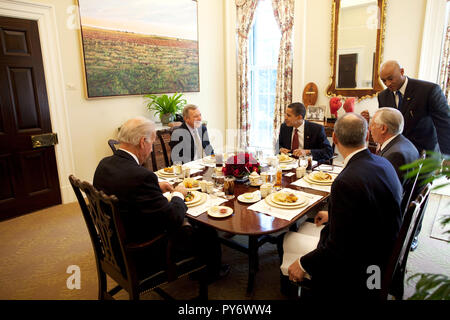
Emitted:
pixel 400 99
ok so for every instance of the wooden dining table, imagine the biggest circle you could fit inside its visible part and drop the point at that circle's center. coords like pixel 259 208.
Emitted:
pixel 259 227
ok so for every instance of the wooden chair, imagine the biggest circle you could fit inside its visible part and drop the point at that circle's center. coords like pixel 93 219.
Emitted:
pixel 115 257
pixel 394 274
pixel 112 144
pixel 161 135
pixel 412 188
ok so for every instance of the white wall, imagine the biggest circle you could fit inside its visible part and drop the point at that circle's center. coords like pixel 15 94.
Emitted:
pixel 93 121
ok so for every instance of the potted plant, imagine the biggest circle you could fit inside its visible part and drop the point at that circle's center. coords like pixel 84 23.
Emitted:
pixel 431 286
pixel 165 106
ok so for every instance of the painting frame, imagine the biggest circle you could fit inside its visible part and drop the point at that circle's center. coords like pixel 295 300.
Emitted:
pixel 315 113
pixel 129 62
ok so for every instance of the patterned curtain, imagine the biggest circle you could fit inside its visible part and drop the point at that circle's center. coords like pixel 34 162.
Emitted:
pixel 245 12
pixel 444 75
pixel 284 15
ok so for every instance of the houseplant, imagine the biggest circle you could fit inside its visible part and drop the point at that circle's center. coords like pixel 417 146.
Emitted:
pixel 431 286
pixel 240 166
pixel 165 106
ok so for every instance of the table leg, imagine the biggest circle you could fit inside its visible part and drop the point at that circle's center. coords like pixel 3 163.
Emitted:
pixel 252 262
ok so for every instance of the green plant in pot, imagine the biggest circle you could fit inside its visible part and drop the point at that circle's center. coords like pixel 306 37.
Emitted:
pixel 165 106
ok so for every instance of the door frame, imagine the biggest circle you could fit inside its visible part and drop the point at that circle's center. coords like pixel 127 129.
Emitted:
pixel 45 16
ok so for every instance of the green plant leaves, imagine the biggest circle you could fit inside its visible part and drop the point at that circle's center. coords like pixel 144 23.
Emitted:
pixel 431 287
pixel 164 104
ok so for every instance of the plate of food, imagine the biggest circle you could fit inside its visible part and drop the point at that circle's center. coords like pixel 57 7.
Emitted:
pixel 191 184
pixel 249 197
pixel 220 211
pixel 284 158
pixel 167 172
pixel 320 177
pixel 192 197
pixel 210 159
pixel 287 198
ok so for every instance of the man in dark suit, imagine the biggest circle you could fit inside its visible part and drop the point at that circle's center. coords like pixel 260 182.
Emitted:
pixel 144 210
pixel 190 141
pixel 308 138
pixel 423 105
pixel 386 127
pixel 363 221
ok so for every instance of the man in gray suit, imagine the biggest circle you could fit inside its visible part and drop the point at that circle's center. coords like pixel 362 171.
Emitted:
pixel 386 127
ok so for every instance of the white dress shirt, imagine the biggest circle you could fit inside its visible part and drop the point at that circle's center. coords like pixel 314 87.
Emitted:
pixel 402 91
pixel 198 152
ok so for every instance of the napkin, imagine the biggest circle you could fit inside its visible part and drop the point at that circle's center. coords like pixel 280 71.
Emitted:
pixel 302 183
pixel 328 168
pixel 286 214
pixel 210 202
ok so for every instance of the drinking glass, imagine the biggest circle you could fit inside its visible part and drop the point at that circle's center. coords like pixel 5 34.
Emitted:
pixel 228 187
pixel 178 170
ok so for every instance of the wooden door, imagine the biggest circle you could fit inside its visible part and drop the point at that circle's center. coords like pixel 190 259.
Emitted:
pixel 347 70
pixel 28 176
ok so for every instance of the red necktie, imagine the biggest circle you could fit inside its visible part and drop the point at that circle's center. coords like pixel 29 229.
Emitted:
pixel 295 140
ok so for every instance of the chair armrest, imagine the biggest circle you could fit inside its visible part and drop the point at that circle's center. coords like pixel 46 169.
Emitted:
pixel 146 244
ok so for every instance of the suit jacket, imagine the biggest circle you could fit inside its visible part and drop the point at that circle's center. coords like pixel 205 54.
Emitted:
pixel 426 113
pixel 400 151
pixel 364 219
pixel 315 140
pixel 182 143
pixel 144 210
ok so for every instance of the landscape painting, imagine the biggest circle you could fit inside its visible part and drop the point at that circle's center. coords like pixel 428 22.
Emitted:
pixel 138 47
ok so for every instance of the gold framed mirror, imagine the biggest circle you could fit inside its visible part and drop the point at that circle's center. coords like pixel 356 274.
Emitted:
pixel 357 38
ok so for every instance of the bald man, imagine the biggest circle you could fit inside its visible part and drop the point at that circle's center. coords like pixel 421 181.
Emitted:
pixel 423 105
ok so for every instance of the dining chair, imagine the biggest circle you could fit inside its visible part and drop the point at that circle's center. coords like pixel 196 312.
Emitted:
pixel 112 144
pixel 412 187
pixel 164 135
pixel 394 275
pixel 116 257
pixel 392 281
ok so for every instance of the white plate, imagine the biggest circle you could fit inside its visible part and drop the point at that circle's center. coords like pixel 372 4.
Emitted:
pixel 301 199
pixel 255 198
pixel 215 212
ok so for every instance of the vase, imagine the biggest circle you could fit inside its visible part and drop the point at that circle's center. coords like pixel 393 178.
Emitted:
pixel 166 118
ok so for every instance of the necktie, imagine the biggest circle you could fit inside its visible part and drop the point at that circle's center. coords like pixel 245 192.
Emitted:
pixel 295 140
pixel 198 145
pixel 400 99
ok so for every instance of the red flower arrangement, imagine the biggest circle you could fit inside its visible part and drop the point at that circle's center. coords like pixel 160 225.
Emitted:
pixel 241 165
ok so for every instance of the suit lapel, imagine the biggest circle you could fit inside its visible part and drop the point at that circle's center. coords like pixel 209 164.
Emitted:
pixel 306 135
pixel 389 145
pixel 408 98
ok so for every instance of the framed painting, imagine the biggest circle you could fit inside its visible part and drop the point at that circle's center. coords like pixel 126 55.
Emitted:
pixel 315 113
pixel 138 47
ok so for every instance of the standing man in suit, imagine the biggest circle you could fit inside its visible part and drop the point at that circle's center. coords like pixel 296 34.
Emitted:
pixel 190 141
pixel 423 105
pixel 308 138
pixel 363 219
pixel 144 210
pixel 386 127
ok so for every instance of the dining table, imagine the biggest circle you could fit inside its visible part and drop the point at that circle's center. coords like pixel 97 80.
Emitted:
pixel 259 227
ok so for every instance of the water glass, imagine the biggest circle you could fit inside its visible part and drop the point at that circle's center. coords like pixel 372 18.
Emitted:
pixel 228 187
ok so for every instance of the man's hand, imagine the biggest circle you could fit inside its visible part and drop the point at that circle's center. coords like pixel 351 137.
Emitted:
pixel 181 188
pixel 301 152
pixel 320 218
pixel 284 150
pixel 295 272
pixel 165 186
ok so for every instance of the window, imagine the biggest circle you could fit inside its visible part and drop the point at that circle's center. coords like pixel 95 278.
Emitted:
pixel 264 43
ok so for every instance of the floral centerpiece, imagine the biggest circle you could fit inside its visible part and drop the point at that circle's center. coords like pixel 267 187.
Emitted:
pixel 241 165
